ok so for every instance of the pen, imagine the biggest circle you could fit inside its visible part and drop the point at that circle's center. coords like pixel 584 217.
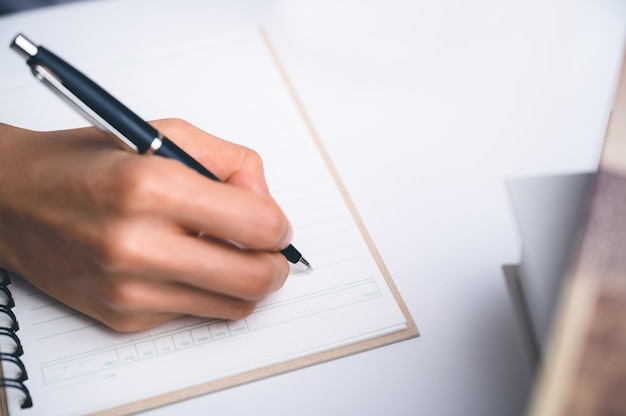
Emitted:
pixel 108 114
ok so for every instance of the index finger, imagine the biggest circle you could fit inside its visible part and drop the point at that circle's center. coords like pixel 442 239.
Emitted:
pixel 232 163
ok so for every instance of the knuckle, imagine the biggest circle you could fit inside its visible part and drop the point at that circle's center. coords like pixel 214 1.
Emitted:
pixel 125 323
pixel 241 310
pixel 257 288
pixel 261 281
pixel 123 296
pixel 117 305
pixel 117 249
pixel 121 323
pixel 127 307
pixel 173 123
pixel 135 186
pixel 252 157
pixel 173 126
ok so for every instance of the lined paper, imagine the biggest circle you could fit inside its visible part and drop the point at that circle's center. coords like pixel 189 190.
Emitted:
pixel 228 85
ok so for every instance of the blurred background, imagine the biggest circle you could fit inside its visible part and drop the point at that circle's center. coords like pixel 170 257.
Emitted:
pixel 12 6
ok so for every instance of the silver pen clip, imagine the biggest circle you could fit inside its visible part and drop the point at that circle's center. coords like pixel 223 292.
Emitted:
pixel 50 81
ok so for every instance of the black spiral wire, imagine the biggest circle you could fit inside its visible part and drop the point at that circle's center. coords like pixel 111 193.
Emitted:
pixel 14 350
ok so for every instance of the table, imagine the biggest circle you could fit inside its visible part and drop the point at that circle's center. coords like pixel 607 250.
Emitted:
pixel 426 109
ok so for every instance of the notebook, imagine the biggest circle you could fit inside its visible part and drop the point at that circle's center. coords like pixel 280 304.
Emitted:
pixel 584 371
pixel 231 85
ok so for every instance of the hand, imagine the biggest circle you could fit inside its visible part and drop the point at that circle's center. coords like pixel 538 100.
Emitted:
pixel 115 234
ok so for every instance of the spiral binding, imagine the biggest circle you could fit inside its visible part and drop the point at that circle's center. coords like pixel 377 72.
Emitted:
pixel 8 329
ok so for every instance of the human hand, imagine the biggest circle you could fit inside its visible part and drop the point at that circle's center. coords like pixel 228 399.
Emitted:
pixel 115 235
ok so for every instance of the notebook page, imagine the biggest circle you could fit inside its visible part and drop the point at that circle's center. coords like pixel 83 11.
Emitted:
pixel 230 86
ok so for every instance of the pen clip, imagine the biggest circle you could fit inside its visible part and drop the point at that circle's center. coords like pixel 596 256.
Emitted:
pixel 49 80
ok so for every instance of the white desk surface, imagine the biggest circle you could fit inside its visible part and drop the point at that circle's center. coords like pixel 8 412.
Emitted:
pixel 426 108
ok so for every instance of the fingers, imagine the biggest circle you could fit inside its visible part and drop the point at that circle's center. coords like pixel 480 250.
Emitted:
pixel 135 305
pixel 153 251
pixel 167 189
pixel 229 213
pixel 232 163
pixel 118 238
pixel 223 211
pixel 166 278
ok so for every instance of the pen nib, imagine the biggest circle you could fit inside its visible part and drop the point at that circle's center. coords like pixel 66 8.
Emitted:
pixel 304 264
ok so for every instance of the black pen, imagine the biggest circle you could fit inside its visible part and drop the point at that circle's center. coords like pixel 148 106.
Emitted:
pixel 108 114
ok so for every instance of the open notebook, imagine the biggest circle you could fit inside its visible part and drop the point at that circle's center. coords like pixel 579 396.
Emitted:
pixel 232 86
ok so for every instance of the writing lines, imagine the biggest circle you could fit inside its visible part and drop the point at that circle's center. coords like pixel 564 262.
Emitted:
pixel 72 368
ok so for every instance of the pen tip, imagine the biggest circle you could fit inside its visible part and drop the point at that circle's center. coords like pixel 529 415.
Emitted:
pixel 305 264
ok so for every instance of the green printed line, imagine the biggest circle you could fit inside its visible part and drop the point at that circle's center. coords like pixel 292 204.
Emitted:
pixel 192 342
